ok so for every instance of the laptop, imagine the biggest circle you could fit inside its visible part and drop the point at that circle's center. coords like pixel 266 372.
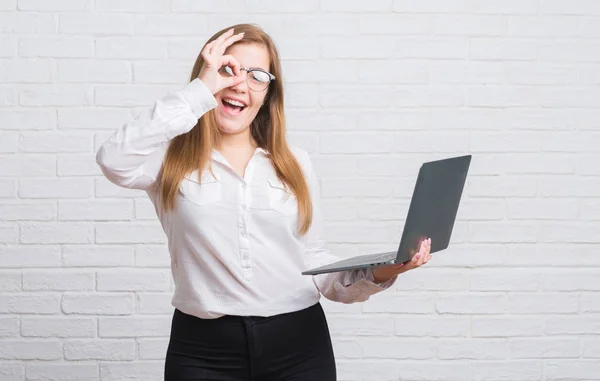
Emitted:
pixel 431 214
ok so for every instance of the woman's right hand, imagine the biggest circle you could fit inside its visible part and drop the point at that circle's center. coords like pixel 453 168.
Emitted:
pixel 214 59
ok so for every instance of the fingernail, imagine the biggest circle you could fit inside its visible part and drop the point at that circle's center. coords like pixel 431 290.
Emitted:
pixel 418 256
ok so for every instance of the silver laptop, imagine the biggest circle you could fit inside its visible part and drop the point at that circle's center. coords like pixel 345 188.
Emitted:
pixel 431 214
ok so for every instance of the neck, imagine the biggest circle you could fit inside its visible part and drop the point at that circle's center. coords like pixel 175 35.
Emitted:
pixel 237 142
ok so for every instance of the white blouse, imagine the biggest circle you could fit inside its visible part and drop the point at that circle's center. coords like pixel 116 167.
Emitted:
pixel 233 241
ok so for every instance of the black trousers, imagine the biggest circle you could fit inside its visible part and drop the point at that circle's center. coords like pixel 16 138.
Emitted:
pixel 294 346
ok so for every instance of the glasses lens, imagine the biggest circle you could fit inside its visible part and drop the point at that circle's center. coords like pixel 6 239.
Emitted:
pixel 258 80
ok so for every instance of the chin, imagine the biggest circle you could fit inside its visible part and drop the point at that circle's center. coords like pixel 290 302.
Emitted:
pixel 229 127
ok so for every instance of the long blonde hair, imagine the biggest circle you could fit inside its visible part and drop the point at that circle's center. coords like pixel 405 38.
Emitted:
pixel 192 150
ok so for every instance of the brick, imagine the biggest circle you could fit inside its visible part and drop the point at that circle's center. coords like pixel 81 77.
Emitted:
pixel 29 166
pixel 403 24
pixel 136 6
pixel 44 142
pixel 55 188
pixel 12 372
pixel 78 165
pixel 10 280
pixel 95 210
pixel 58 327
pixel 25 256
pixel 130 233
pixel 62 372
pixel 27 23
pixel 513 49
pixel 474 349
pixel 494 232
pixel 9 327
pixel 26 71
pixel 469 25
pixel 541 74
pixel 361 325
pixel 134 371
pixel 130 95
pixel 401 304
pixel 582 325
pixel 152 256
pixel 576 369
pixel 58 280
pixel 133 48
pixel 511 326
pixel 577 7
pixel 39 212
pixel 82 71
pixel 97 256
pixel 470 303
pixel 8 188
pixel 398 348
pixel 144 209
pixel 151 73
pixel 509 7
pixel 61 232
pixel 538 348
pixel 507 370
pixel 124 327
pixel 437 47
pixel 314 120
pixel 357 142
pixel 133 280
pixel 455 72
pixel 438 326
pixel 356 6
pixel 152 349
pixel 97 24
pixel 59 5
pixel 98 303
pixel 205 6
pixel 154 303
pixel 108 350
pixel 170 25
pixel 504 280
pixel 27 119
pixel 433 6
pixel 9 233
pixel 542 303
pixel 56 47
pixel 30 350
pixel 8 46
pixel 56 95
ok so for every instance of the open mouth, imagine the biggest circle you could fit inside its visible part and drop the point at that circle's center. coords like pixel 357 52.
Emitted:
pixel 232 106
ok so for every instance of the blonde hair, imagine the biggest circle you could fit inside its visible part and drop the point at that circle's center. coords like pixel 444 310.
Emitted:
pixel 192 150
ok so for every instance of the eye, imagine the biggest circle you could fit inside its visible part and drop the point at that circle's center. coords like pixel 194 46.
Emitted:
pixel 226 71
pixel 261 76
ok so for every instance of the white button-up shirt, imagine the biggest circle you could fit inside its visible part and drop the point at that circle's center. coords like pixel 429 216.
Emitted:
pixel 233 240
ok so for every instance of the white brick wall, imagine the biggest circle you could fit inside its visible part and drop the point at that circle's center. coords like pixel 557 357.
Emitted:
pixel 373 88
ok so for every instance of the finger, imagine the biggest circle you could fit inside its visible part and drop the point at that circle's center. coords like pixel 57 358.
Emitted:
pixel 221 46
pixel 206 52
pixel 232 62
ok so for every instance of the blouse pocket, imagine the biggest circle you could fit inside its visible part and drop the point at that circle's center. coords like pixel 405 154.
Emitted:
pixel 281 199
pixel 207 192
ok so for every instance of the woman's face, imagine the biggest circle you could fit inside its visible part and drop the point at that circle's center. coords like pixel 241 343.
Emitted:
pixel 232 119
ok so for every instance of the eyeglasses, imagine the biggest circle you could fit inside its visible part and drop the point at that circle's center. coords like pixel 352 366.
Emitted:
pixel 258 79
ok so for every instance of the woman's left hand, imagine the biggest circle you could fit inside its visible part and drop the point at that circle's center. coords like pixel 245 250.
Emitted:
pixel 385 273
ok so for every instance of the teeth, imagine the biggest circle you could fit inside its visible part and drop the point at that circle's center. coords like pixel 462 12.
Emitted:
pixel 234 102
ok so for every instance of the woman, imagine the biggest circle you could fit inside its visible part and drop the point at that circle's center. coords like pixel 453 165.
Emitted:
pixel 241 213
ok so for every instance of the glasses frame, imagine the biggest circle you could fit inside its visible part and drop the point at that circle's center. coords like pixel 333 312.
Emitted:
pixel 250 70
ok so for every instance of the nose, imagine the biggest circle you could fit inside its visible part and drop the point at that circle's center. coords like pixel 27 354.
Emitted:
pixel 241 87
